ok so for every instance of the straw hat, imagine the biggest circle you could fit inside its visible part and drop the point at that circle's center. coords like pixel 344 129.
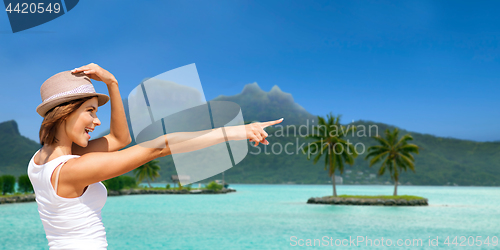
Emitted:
pixel 64 87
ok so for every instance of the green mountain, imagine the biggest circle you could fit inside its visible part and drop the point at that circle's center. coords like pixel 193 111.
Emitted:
pixel 15 150
pixel 442 161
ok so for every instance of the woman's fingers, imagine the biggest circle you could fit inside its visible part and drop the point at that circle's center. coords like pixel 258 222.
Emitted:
pixel 75 70
pixel 270 123
pixel 92 73
pixel 258 136
pixel 85 70
pixel 263 135
pixel 95 72
pixel 256 133
pixel 255 139
pixel 90 66
pixel 263 141
pixel 82 69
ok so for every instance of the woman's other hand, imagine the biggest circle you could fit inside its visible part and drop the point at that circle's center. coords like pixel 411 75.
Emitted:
pixel 97 73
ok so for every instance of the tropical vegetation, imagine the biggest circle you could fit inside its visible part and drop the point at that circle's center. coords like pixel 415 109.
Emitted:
pixel 329 141
pixel 395 155
pixel 120 182
pixel 24 184
pixel 8 183
pixel 214 186
pixel 148 171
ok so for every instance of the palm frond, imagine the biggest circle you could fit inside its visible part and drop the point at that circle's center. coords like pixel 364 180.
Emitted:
pixel 381 170
pixel 375 147
pixel 371 154
pixel 320 153
pixel 378 158
pixel 408 161
pixel 410 148
pixel 382 141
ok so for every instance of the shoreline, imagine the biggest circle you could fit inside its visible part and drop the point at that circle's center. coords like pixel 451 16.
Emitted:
pixel 17 198
pixel 328 200
pixel 21 198
pixel 339 185
pixel 134 191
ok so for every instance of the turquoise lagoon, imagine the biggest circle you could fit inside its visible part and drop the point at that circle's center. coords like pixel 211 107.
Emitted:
pixel 277 217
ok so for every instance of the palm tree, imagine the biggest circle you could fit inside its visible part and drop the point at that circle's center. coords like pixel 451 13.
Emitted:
pixel 328 136
pixel 148 171
pixel 394 153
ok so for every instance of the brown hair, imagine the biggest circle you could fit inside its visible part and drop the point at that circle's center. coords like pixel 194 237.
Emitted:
pixel 54 117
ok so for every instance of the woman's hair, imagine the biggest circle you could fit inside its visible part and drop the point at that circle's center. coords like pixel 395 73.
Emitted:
pixel 55 117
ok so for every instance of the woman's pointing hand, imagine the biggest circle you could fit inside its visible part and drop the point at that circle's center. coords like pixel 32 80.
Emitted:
pixel 255 131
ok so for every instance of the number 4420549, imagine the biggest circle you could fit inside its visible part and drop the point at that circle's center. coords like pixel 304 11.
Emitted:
pixel 471 241
pixel 26 8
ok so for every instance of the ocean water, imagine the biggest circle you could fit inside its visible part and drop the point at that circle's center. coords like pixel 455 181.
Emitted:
pixel 277 217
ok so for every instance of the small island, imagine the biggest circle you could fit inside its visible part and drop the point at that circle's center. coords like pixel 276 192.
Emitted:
pixel 393 152
pixel 363 200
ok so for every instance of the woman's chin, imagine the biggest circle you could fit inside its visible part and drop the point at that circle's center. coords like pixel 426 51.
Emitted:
pixel 83 143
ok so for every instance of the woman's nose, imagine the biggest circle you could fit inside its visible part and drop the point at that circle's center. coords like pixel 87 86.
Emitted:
pixel 97 122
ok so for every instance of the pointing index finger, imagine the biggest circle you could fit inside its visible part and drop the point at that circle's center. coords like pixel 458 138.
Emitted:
pixel 270 123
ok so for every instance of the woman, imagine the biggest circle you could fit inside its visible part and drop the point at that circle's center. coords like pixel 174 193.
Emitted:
pixel 67 171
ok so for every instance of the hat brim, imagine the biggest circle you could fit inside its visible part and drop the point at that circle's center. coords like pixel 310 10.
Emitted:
pixel 44 107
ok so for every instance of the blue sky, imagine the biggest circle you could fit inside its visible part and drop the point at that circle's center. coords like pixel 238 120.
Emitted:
pixel 425 66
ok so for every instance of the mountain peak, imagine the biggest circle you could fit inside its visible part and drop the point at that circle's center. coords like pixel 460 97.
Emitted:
pixel 259 105
pixel 9 127
pixel 275 88
pixel 252 88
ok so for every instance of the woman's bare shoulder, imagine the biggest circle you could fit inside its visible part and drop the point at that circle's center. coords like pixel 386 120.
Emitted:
pixel 43 157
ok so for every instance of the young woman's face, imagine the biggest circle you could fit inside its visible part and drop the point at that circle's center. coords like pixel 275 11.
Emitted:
pixel 82 121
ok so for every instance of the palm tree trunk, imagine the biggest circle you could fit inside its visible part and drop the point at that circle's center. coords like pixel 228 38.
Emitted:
pixel 333 173
pixel 149 184
pixel 395 187
pixel 396 178
pixel 333 183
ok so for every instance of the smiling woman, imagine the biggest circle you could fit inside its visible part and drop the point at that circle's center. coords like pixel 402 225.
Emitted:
pixel 67 171
pixel 71 211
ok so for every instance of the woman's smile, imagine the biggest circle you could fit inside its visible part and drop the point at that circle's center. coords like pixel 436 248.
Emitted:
pixel 87 131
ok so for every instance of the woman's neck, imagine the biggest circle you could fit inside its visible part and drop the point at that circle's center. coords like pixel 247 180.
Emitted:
pixel 50 152
pixel 57 150
pixel 63 144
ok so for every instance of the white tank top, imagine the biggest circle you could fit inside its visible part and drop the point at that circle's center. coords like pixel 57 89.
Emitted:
pixel 69 223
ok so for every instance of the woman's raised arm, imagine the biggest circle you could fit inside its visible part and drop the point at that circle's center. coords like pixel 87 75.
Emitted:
pixel 119 135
